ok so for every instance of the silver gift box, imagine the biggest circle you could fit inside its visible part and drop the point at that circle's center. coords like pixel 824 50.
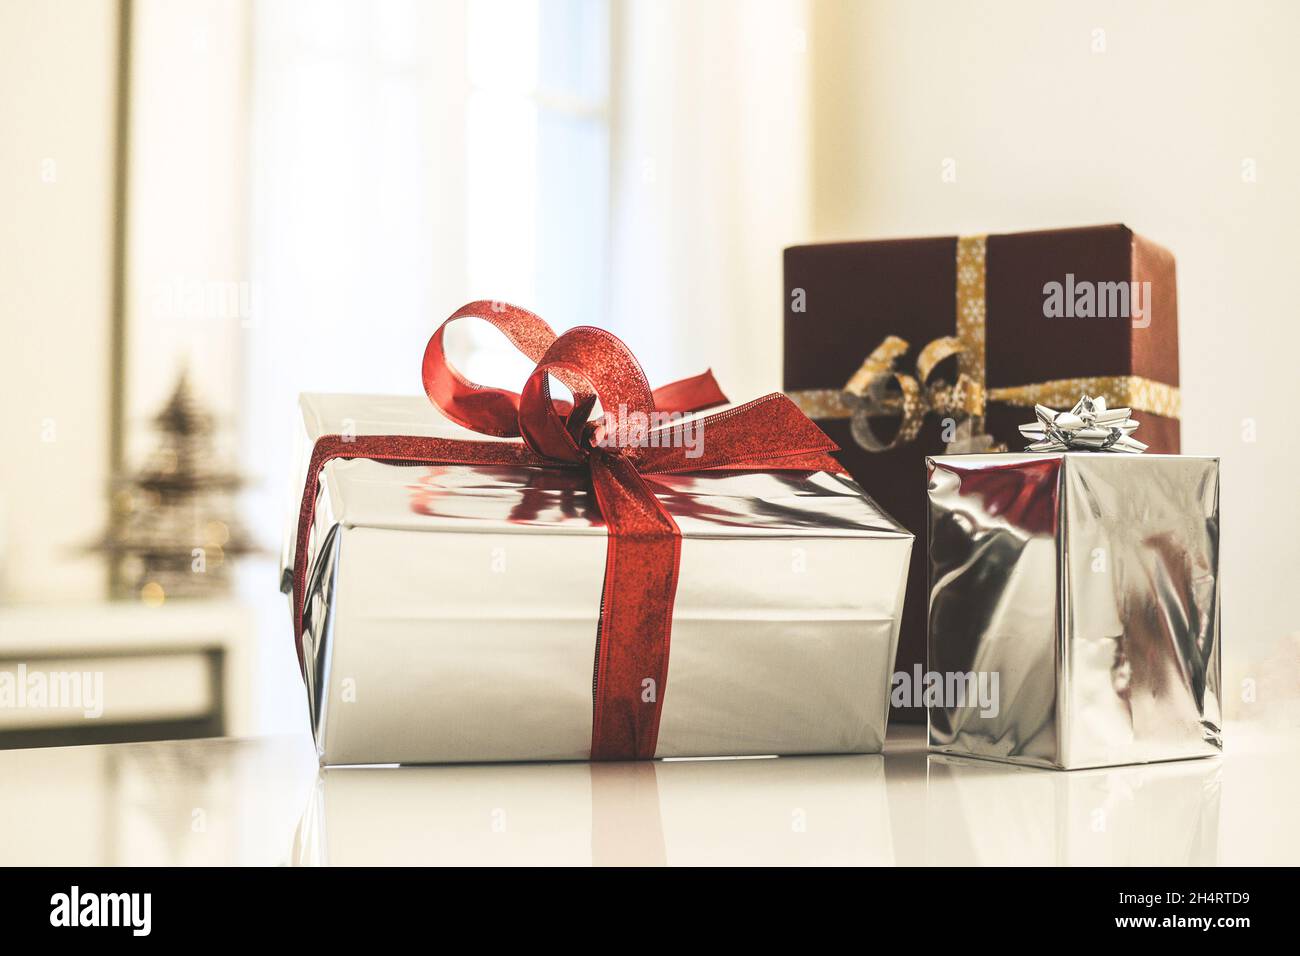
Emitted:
pixel 1088 583
pixel 452 610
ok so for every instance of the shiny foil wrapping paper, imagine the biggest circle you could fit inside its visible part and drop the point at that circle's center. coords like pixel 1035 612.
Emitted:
pixel 1089 583
pixel 452 610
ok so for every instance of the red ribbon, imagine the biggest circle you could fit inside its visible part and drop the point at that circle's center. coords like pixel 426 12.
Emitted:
pixel 642 557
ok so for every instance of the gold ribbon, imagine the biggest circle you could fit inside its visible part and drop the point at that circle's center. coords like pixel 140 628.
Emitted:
pixel 868 394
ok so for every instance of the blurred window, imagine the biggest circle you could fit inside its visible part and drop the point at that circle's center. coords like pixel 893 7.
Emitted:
pixel 537 166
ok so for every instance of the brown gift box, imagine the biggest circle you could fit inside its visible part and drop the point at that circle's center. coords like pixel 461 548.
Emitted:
pixel 844 299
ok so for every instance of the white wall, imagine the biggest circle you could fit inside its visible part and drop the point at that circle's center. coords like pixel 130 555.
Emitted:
pixel 58 71
pixel 1152 131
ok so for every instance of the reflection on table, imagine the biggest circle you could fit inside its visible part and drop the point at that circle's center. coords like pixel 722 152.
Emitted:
pixel 264 801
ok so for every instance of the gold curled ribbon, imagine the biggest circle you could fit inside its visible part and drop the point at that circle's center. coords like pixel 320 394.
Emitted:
pixel 878 390
pixel 869 396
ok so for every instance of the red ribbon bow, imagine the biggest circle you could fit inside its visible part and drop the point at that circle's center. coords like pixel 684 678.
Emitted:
pixel 631 661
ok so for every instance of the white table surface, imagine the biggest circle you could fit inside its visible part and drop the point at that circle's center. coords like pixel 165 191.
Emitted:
pixel 264 801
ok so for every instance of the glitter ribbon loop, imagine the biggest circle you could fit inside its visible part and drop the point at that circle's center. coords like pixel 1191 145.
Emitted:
pixel 496 411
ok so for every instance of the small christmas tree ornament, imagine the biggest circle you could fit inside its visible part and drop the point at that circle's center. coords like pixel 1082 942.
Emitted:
pixel 173 529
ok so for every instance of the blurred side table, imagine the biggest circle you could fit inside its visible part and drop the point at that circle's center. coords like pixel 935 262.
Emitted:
pixel 117 672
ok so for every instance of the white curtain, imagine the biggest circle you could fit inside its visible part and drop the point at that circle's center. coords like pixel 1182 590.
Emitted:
pixel 711 182
pixel 357 238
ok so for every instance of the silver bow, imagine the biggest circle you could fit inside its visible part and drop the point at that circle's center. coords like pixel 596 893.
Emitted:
pixel 1089 426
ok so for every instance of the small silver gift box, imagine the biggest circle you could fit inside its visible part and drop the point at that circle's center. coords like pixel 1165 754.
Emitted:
pixel 1082 589
pixel 451 611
